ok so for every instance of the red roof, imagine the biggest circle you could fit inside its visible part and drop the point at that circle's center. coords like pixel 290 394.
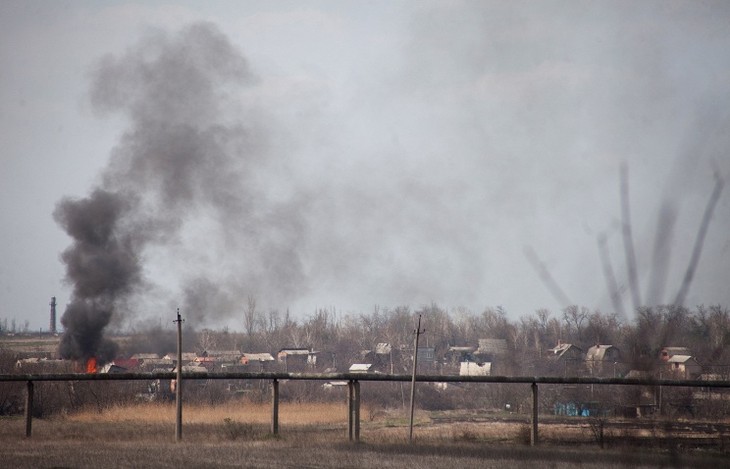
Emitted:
pixel 126 363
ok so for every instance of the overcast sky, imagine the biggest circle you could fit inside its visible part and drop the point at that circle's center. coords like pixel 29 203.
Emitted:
pixel 390 153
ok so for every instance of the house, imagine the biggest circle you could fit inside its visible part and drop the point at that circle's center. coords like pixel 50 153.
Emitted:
pixel 145 358
pixel 603 360
pixel 209 363
pixel 151 363
pixel 494 351
pixel 224 356
pixel 186 356
pixel 189 369
pixel 297 359
pixel 381 357
pixel 455 355
pixel 426 356
pixel 565 352
pixel 258 361
pixel 564 360
pixel 112 368
pixel 128 364
pixel 492 348
pixel 668 352
pixel 684 367
pixel 475 369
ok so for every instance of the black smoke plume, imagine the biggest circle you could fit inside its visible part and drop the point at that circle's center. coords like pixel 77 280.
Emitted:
pixel 189 162
pixel 103 265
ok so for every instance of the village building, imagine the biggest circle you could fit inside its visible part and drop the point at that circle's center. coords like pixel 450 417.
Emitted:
pixel 475 369
pixel 603 360
pixel 668 352
pixel 381 358
pixel 426 358
pixel 494 351
pixel 258 361
pixel 564 360
pixel 457 354
pixel 684 367
pixel 297 359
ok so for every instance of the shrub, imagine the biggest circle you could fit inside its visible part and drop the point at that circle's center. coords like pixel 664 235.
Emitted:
pixel 234 430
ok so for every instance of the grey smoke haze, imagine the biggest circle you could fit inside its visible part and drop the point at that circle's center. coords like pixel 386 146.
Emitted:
pixel 184 157
pixel 322 155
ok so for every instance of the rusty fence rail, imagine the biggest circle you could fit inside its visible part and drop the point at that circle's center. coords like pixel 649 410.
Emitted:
pixel 353 380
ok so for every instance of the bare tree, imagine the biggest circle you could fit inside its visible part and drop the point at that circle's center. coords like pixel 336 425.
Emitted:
pixel 249 316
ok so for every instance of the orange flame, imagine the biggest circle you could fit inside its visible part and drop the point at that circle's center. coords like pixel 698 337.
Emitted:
pixel 91 365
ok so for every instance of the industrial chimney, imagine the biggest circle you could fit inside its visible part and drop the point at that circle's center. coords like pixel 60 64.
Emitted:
pixel 52 327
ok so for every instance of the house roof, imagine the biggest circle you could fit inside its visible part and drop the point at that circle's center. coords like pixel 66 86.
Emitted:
pixel 360 367
pixel 383 348
pixel 680 359
pixel 331 384
pixel 112 368
pixel 259 357
pixel 561 349
pixel 192 369
pixel 157 361
pixel 493 346
pixel 186 356
pixel 458 349
pixel 145 356
pixel 598 352
pixel 126 363
pixel 295 351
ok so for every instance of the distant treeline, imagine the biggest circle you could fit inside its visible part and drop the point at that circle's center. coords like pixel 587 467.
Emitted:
pixel 341 339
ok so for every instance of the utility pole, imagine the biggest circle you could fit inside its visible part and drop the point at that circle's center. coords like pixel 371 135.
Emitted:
pixel 417 332
pixel 178 381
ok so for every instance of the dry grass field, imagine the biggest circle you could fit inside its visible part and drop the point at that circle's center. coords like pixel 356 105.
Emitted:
pixel 311 435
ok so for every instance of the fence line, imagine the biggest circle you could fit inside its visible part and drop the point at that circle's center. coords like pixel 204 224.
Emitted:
pixel 353 380
pixel 368 377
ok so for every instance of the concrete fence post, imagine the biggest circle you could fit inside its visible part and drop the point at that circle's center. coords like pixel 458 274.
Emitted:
pixel 275 407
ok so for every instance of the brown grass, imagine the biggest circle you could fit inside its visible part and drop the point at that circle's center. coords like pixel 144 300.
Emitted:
pixel 312 435
pixel 254 413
